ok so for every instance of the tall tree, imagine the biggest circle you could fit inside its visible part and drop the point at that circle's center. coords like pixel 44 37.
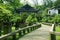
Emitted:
pixel 57 3
pixel 48 3
pixel 1 1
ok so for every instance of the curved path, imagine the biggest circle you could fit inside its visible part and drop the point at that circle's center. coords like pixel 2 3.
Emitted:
pixel 40 34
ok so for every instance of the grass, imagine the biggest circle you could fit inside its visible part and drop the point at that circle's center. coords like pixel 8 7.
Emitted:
pixel 57 30
pixel 57 37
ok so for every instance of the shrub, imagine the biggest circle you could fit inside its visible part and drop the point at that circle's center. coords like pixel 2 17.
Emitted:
pixel 31 19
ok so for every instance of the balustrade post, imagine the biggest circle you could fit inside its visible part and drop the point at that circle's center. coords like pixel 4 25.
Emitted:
pixel 4 39
pixel 14 37
pixel 34 27
pixel 31 29
pixel 24 32
pixel 0 30
pixel 39 26
pixel 53 37
pixel 20 34
pixel 28 30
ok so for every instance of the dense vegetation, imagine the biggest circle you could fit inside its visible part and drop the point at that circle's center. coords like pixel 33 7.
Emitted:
pixel 57 30
pixel 9 17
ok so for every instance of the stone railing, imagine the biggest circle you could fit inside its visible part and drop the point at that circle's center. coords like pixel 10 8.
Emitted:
pixel 53 33
pixel 21 32
pixel 50 24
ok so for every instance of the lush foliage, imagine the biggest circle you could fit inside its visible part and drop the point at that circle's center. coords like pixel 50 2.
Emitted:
pixel 31 19
pixel 57 3
pixel 9 16
pixel 50 18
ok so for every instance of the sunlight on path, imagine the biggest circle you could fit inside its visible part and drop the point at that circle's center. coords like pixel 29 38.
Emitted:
pixel 40 34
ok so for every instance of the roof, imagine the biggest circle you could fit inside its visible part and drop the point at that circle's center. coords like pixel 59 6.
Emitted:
pixel 26 8
pixel 54 7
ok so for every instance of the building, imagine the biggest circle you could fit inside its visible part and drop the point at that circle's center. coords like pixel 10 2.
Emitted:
pixel 54 10
pixel 26 8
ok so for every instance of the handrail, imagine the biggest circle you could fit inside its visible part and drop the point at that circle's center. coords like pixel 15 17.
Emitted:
pixel 50 24
pixel 52 28
pixel 56 33
pixel 13 33
pixel 52 31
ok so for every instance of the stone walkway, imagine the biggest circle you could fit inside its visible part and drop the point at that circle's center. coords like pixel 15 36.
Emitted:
pixel 40 34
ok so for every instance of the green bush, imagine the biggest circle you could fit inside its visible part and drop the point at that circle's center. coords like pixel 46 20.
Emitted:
pixel 57 18
pixel 31 19
pixel 5 15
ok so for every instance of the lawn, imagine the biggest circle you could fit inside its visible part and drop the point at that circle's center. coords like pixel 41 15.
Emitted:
pixel 57 30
